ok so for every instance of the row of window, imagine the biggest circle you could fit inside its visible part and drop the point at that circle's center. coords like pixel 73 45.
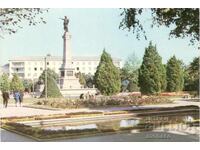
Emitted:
pixel 59 63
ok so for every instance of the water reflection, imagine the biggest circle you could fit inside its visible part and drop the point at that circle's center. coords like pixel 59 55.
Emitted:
pixel 80 127
pixel 116 125
pixel 143 124
pixel 129 123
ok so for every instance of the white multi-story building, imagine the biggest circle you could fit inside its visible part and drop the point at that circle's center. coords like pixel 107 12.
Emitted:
pixel 32 67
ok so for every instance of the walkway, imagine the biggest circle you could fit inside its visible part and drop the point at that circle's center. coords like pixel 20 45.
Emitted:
pixel 151 136
pixel 12 111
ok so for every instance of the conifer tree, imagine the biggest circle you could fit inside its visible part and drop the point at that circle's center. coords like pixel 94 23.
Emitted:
pixel 174 75
pixel 52 89
pixel 107 77
pixel 151 73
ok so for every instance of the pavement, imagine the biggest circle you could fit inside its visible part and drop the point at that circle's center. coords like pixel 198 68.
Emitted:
pixel 12 111
pixel 151 136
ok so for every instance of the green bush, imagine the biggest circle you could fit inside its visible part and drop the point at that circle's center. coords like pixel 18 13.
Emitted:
pixel 52 89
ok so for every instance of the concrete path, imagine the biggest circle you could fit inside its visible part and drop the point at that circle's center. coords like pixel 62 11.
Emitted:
pixel 13 111
pixel 174 104
pixel 151 136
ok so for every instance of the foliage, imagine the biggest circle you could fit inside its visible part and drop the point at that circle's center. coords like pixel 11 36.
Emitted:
pixel 174 75
pixel 50 74
pixel 129 73
pixel 183 21
pixel 192 76
pixel 132 87
pixel 151 72
pixel 107 77
pixel 52 89
pixel 81 78
pixel 4 83
pixel 16 83
pixel 28 84
pixel 89 80
pixel 11 18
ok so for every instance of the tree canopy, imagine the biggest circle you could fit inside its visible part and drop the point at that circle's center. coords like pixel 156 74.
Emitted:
pixel 192 79
pixel 50 73
pixel 152 72
pixel 174 75
pixel 184 22
pixel 129 73
pixel 4 83
pixel 16 83
pixel 52 89
pixel 107 76
pixel 11 18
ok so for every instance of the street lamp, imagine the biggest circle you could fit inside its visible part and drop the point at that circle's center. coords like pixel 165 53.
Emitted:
pixel 45 60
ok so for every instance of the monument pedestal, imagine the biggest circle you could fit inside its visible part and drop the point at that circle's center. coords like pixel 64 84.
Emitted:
pixel 68 79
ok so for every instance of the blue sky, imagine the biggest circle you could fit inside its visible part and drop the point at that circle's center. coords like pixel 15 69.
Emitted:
pixel 92 30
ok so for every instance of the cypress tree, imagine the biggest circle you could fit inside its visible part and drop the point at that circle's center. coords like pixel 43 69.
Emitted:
pixel 107 77
pixel 152 72
pixel 174 75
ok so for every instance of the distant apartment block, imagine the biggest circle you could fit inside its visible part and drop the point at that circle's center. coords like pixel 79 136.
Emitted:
pixel 32 67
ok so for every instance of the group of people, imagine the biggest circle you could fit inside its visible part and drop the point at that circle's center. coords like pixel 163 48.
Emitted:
pixel 18 96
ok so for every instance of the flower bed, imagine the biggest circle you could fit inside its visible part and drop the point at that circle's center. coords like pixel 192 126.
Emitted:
pixel 104 101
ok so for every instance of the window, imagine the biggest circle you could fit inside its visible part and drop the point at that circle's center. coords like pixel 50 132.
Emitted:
pixel 29 69
pixel 69 73
pixel 47 63
pixel 89 68
pixel 83 68
pixel 77 63
pixel 62 73
pixel 83 63
pixel 77 68
pixel 35 63
pixel 35 69
pixel 29 74
pixel 17 69
pixel 41 68
pixel 35 75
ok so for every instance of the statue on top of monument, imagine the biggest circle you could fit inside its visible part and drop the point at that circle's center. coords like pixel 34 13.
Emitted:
pixel 66 22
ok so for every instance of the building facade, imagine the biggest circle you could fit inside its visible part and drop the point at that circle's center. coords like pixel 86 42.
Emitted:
pixel 32 67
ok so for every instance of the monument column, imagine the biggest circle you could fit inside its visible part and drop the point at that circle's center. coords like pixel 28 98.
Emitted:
pixel 67 52
pixel 68 80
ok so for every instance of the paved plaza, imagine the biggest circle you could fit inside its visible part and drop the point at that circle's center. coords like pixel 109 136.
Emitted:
pixel 13 111
pixel 151 136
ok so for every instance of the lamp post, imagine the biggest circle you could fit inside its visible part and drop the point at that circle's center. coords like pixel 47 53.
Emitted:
pixel 45 59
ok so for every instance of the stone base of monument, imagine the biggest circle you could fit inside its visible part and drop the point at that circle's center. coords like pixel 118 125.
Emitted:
pixel 77 92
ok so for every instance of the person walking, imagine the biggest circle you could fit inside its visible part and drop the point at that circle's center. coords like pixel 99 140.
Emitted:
pixel 6 97
pixel 17 98
pixel 21 98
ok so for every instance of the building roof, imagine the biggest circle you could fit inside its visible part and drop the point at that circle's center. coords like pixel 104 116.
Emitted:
pixel 59 58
